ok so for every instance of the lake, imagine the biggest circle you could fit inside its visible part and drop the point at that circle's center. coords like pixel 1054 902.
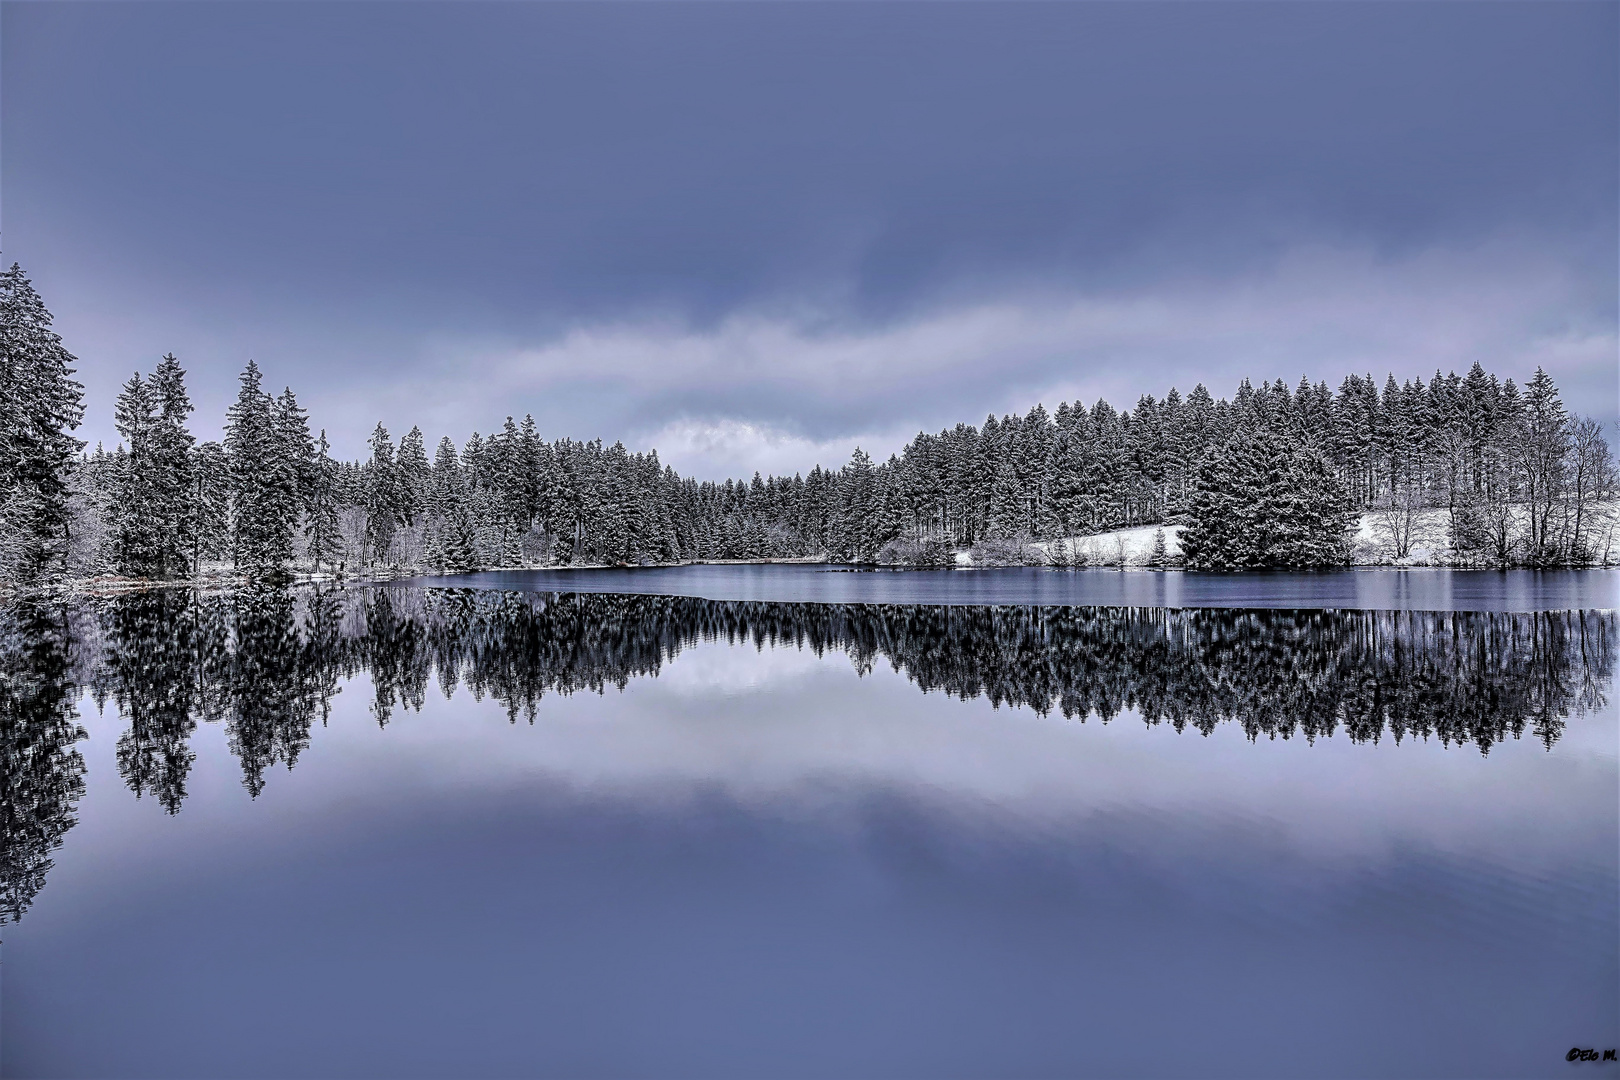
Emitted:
pixel 786 821
pixel 1405 589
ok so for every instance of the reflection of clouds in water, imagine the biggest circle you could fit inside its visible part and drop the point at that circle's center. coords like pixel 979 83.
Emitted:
pixel 767 834
pixel 711 667
pixel 784 733
pixel 780 731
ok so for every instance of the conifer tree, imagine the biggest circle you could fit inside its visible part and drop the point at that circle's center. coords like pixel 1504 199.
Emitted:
pixel 382 496
pixel 261 535
pixel 211 503
pixel 154 514
pixel 40 404
pixel 1211 538
pixel 137 510
pixel 411 471
pixel 854 506
pixel 321 535
pixel 1256 506
pixel 295 466
pixel 1160 555
pixel 171 457
pixel 457 548
pixel 1542 448
pixel 1310 515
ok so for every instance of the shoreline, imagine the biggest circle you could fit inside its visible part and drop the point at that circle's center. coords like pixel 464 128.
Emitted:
pixel 111 586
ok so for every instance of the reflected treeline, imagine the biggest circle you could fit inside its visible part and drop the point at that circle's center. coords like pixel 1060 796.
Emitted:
pixel 41 770
pixel 266 664
pixel 1460 677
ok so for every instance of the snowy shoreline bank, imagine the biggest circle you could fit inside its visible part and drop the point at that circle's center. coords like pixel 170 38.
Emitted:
pixel 1116 550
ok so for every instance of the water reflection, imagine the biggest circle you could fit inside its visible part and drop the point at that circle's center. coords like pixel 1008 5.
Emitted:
pixel 41 773
pixel 266 664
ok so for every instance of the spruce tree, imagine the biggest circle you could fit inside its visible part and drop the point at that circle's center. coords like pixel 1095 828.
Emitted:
pixel 295 468
pixel 137 511
pixel 1310 514
pixel 1160 555
pixel 412 472
pixel 211 503
pixel 382 496
pixel 1542 449
pixel 1210 540
pixel 458 543
pixel 263 481
pixel 1005 514
pixel 40 404
pixel 855 504
pixel 321 537
pixel 155 512
pixel 1256 506
pixel 173 482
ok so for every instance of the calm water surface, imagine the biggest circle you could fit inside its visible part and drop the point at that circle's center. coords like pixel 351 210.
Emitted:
pixel 1371 589
pixel 466 832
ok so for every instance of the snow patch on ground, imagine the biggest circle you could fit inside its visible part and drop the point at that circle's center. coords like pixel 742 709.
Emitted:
pixel 1370 544
pixel 1118 547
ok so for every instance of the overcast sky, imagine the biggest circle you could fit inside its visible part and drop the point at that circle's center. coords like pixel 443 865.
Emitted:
pixel 755 235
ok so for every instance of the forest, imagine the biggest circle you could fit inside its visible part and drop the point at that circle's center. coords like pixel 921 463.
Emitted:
pixel 266 663
pixel 1271 477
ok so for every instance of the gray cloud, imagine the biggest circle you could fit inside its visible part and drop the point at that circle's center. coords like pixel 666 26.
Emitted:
pixel 775 230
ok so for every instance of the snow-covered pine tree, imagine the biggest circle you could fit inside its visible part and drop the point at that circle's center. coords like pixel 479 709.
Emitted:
pixel 154 512
pixel 1542 449
pixel 887 519
pixel 1310 515
pixel 441 496
pixel 855 498
pixel 412 473
pixel 137 526
pixel 457 548
pixel 530 462
pixel 260 535
pixel 171 459
pixel 1069 468
pixel 40 404
pixel 1005 518
pixel 1262 463
pixel 614 529
pixel 1160 555
pixel 1210 540
pixel 295 469
pixel 322 539
pixel 382 497
pixel 444 487
pixel 211 502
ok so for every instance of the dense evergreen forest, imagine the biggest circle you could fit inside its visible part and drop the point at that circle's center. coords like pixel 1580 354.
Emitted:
pixel 266 663
pixel 1492 473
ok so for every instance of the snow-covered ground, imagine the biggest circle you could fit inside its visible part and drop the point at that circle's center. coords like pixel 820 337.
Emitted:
pixel 1127 547
pixel 1370 546
pixel 1120 547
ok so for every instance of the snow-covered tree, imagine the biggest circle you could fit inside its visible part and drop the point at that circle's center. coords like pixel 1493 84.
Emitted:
pixel 384 505
pixel 323 540
pixel 40 405
pixel 261 441
pixel 171 457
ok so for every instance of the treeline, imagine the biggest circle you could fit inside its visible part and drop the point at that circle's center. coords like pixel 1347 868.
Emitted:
pixel 1492 473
